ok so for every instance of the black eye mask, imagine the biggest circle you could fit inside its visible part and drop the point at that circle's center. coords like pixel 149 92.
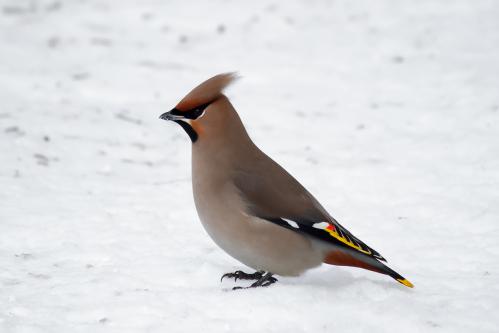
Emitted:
pixel 192 113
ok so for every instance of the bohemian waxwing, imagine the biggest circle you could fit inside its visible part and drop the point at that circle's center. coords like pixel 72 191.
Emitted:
pixel 250 206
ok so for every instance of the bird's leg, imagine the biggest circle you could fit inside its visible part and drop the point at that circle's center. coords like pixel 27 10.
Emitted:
pixel 264 281
pixel 243 276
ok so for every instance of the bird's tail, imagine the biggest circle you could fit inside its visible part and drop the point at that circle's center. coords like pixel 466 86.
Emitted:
pixel 390 272
pixel 346 257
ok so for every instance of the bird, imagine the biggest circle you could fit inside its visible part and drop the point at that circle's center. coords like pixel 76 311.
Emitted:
pixel 252 207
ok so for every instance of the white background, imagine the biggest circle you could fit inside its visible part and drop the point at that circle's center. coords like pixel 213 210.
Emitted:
pixel 387 111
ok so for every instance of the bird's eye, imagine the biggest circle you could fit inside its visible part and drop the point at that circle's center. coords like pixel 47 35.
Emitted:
pixel 195 113
pixel 201 114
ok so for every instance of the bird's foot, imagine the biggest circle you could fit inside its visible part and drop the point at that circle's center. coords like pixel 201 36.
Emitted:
pixel 243 276
pixel 264 281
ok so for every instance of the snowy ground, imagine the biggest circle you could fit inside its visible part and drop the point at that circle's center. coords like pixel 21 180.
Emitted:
pixel 387 111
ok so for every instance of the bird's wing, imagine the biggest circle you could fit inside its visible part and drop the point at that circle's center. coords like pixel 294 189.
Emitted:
pixel 272 194
pixel 330 231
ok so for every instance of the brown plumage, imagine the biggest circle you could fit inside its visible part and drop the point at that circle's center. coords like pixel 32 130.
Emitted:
pixel 206 92
pixel 253 208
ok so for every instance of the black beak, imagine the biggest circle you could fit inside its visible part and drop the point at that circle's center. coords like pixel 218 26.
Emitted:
pixel 172 115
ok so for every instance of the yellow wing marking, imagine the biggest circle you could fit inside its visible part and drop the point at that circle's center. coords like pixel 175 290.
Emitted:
pixel 333 231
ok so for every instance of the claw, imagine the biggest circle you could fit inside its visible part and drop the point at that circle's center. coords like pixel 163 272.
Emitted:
pixel 264 281
pixel 229 275
pixel 243 276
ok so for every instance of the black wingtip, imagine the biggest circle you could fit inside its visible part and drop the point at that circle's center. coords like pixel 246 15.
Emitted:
pixel 396 276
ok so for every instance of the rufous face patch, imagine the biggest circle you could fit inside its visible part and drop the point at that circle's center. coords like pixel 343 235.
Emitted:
pixel 196 126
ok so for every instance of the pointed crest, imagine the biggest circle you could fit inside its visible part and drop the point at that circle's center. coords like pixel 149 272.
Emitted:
pixel 206 92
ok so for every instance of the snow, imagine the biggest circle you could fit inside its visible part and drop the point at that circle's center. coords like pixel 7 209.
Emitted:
pixel 387 111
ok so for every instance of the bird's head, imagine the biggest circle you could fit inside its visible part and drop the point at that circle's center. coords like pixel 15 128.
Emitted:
pixel 196 112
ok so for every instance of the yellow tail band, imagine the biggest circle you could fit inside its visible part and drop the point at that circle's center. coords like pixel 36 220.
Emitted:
pixel 406 283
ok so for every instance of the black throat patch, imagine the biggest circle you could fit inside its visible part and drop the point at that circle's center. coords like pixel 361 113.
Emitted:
pixel 188 129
